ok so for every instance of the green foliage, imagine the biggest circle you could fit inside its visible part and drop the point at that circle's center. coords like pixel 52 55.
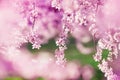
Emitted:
pixel 40 78
pixel 50 46
pixel 13 78
pixel 105 53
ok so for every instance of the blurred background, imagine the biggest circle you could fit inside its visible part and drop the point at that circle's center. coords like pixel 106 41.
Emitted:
pixel 40 26
pixel 80 66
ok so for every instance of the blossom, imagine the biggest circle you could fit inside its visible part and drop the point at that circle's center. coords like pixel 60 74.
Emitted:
pixel 108 38
pixel 101 21
pixel 37 21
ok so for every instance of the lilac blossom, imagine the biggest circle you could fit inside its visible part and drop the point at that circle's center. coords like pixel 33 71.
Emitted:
pixel 109 38
pixel 102 21
pixel 37 21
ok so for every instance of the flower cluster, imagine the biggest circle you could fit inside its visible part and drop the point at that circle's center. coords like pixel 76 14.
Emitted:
pixel 37 21
pixel 100 19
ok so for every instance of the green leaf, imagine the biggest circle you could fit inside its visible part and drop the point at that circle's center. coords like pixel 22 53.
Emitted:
pixel 40 78
pixel 13 78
